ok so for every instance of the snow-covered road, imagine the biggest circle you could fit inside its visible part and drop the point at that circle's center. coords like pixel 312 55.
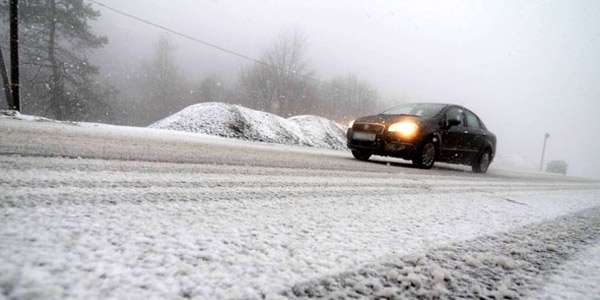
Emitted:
pixel 124 213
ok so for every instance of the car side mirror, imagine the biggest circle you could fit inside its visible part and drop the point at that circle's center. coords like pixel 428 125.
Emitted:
pixel 453 122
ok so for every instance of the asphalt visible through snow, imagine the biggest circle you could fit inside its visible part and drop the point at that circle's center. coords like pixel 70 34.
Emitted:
pixel 109 212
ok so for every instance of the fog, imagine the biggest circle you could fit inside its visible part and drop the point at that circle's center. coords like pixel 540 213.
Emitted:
pixel 525 67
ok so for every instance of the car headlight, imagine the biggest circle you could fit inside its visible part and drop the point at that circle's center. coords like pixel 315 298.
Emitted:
pixel 404 129
pixel 351 124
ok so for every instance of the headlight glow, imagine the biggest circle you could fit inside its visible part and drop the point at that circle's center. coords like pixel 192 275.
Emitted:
pixel 404 129
pixel 351 123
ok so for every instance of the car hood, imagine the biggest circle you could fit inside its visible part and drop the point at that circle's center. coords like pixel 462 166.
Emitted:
pixel 387 119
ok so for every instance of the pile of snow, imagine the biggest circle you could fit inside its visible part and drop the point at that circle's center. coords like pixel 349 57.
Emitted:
pixel 321 132
pixel 234 121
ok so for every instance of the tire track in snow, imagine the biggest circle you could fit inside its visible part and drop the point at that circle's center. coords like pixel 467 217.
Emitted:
pixel 509 265
pixel 288 223
pixel 31 181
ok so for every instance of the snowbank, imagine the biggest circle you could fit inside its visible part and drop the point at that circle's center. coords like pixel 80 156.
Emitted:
pixel 234 121
pixel 321 132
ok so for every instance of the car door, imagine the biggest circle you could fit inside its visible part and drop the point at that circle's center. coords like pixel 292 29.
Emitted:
pixel 476 136
pixel 453 144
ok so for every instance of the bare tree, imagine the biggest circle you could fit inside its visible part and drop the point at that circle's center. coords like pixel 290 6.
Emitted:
pixel 281 82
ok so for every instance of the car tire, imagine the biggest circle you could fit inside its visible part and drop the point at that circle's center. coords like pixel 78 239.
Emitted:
pixel 425 156
pixel 482 162
pixel 361 155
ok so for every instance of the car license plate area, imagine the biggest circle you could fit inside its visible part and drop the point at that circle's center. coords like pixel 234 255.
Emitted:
pixel 363 136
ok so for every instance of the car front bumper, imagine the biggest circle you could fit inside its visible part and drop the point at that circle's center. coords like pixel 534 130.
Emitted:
pixel 379 144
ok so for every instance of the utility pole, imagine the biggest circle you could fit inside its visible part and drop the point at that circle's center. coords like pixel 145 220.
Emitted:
pixel 546 136
pixel 14 55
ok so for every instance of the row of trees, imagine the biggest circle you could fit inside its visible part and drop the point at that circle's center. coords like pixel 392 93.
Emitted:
pixel 281 82
pixel 59 82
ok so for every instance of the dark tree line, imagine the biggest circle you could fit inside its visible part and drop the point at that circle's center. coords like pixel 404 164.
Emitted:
pixel 58 80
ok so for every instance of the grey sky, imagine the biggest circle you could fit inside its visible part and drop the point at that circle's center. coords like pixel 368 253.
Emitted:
pixel 526 67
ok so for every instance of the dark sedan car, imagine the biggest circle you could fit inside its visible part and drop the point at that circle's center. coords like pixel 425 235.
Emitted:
pixel 424 133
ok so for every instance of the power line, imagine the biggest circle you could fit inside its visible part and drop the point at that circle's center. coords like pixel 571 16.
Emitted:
pixel 219 48
pixel 186 36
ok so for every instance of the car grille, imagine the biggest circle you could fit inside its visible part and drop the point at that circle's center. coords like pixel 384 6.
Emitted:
pixel 368 127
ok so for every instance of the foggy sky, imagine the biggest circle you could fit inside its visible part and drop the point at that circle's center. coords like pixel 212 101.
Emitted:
pixel 525 67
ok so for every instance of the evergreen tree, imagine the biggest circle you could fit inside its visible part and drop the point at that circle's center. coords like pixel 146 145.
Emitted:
pixel 56 77
pixel 211 89
pixel 346 97
pixel 161 85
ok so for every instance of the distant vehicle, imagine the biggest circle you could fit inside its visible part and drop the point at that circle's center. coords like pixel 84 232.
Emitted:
pixel 557 166
pixel 424 133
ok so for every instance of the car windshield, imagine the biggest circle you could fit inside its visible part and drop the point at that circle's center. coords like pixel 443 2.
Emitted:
pixel 418 109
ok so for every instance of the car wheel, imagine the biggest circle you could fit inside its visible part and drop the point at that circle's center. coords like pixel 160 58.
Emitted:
pixel 361 155
pixel 425 157
pixel 483 162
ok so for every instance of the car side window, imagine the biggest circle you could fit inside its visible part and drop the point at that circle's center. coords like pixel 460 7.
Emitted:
pixel 455 114
pixel 472 120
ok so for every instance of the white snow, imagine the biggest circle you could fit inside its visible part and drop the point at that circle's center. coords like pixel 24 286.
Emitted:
pixel 234 121
pixel 576 279
pixel 137 229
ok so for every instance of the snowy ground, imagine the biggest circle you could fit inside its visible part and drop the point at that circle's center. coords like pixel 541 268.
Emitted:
pixel 125 213
pixel 234 121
